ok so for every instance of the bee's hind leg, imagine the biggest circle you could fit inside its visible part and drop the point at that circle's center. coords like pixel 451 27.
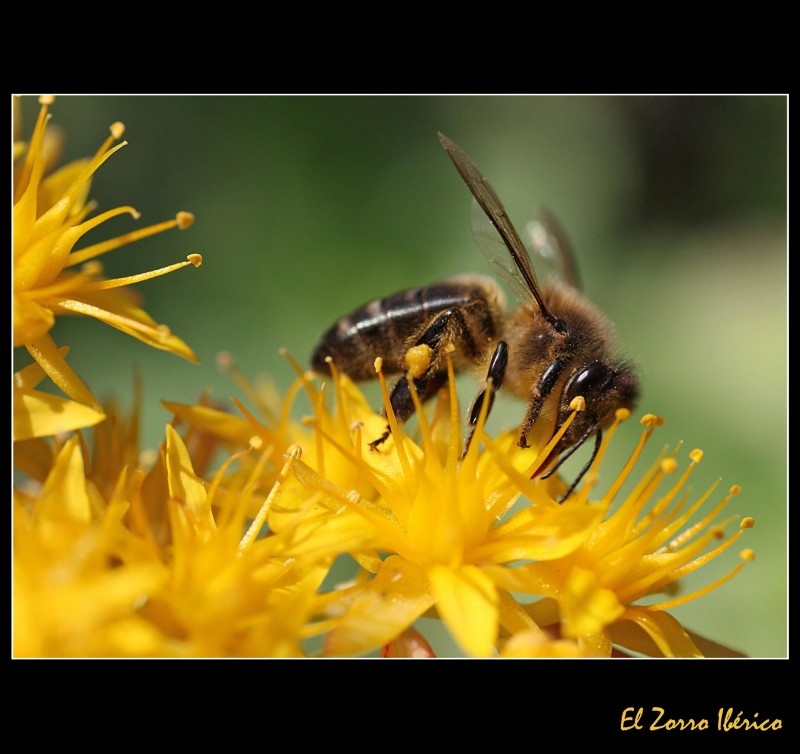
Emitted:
pixel 447 329
pixel 402 404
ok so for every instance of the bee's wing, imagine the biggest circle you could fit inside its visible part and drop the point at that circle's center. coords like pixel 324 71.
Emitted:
pixel 548 240
pixel 493 208
pixel 496 252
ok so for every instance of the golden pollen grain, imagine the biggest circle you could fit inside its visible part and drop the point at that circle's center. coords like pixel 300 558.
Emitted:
pixel 418 360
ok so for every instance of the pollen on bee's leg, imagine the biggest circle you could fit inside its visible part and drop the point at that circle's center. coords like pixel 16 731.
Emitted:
pixel 418 360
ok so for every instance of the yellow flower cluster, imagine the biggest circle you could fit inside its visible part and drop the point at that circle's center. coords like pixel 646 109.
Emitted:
pixel 231 541
pixel 51 215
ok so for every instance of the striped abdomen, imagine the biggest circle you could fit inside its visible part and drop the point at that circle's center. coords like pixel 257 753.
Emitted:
pixel 388 327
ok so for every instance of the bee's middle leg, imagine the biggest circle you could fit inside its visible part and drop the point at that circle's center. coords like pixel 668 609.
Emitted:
pixel 495 373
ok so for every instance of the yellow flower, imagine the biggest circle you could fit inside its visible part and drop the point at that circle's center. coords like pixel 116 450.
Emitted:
pixel 437 537
pixel 79 573
pixel 273 427
pixel 118 555
pixel 643 547
pixel 51 214
pixel 431 529
pixel 111 559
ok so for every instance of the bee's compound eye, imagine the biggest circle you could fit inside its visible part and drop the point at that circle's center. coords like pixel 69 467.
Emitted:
pixel 588 381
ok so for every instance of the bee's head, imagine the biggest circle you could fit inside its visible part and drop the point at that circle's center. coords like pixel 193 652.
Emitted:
pixel 605 388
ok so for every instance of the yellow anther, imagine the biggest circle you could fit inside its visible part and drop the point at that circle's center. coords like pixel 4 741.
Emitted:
pixel 294 451
pixel 747 523
pixel 735 489
pixel 747 554
pixel 354 497
pixel 117 129
pixel 622 414
pixel 47 99
pixel 669 465
pixel 195 259
pixel 92 269
pixel 378 363
pixel 696 455
pixel 184 220
pixel 578 403
pixel 651 420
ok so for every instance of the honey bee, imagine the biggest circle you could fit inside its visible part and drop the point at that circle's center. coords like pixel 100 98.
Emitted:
pixel 553 346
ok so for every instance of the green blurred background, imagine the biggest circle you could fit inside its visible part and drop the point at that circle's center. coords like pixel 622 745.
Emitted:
pixel 308 206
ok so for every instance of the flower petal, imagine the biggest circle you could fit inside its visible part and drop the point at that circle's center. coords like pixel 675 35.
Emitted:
pixel 586 607
pixel 389 604
pixel 115 308
pixel 184 485
pixel 31 320
pixel 669 637
pixel 466 599
pixel 64 496
pixel 38 414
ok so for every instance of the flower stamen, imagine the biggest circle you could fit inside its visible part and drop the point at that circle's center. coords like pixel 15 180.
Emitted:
pixel 181 221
